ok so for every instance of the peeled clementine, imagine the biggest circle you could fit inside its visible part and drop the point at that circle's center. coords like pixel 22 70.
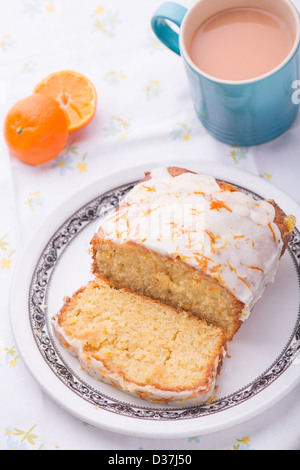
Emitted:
pixel 36 129
pixel 74 93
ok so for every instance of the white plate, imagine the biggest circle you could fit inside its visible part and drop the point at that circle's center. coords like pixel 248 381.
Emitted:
pixel 262 366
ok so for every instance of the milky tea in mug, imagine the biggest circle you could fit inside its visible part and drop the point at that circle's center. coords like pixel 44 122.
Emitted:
pixel 241 43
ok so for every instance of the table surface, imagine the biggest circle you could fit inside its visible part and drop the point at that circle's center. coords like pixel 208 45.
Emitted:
pixel 144 115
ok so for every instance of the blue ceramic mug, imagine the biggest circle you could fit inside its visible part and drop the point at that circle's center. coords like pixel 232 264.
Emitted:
pixel 241 113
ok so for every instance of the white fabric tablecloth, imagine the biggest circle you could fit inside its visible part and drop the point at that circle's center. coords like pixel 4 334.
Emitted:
pixel 144 115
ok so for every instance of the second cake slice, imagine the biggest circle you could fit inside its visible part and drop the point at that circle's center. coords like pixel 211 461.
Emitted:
pixel 140 345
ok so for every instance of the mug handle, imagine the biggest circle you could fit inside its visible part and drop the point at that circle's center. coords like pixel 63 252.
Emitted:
pixel 172 12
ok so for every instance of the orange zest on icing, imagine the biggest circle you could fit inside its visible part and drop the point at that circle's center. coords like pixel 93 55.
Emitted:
pixel 243 280
pixel 202 261
pixel 218 205
pixel 211 236
pixel 149 189
pixel 195 211
pixel 231 267
pixel 197 192
pixel 216 268
pixel 212 240
pixel 256 267
pixel 274 236
pixel 150 210
pixel 117 216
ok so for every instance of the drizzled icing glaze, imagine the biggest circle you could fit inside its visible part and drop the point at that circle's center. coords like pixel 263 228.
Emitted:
pixel 226 234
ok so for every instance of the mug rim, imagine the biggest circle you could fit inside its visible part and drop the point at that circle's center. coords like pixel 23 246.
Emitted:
pixel 251 80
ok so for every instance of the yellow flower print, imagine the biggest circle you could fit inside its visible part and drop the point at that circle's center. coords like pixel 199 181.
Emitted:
pixel 13 362
pixel 69 160
pixel 107 21
pixel 19 439
pixel 26 436
pixel 243 444
pixel 268 176
pixel 34 200
pixel 113 77
pixel 5 42
pixel 3 243
pixel 118 127
pixel 33 8
pixel 153 44
pixel 152 90
pixel 82 166
pixel 181 131
pixel 49 8
pixel 244 440
pixel 99 11
pixel 29 66
pixel 6 261
pixel 237 153
pixel 8 355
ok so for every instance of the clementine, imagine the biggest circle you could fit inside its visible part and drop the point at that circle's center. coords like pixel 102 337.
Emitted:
pixel 36 129
pixel 74 93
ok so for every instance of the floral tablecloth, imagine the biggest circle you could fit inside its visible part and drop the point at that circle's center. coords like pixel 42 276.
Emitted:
pixel 144 115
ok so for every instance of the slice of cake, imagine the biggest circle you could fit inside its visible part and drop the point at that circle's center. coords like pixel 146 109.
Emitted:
pixel 139 345
pixel 194 243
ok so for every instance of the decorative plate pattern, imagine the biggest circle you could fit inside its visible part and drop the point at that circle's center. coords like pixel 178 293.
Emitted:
pixel 41 329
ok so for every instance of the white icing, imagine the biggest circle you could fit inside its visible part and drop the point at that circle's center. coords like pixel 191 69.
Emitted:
pixel 227 234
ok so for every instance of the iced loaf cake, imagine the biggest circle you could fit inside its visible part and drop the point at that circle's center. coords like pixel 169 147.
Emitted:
pixel 194 243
